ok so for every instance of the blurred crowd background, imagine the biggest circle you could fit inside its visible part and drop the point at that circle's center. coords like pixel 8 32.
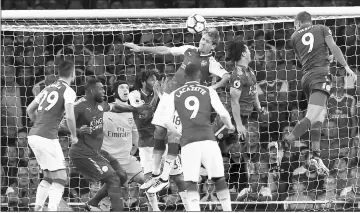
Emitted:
pixel 263 172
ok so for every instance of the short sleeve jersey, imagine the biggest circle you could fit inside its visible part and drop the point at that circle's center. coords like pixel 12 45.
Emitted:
pixel 89 144
pixel 52 100
pixel 207 64
pixel 193 105
pixel 118 129
pixel 310 46
pixel 145 127
pixel 246 82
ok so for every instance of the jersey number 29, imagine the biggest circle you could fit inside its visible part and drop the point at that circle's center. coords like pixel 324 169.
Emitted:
pixel 308 40
pixel 48 100
pixel 192 103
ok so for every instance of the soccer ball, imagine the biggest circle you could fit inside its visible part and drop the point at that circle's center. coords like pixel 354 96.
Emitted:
pixel 195 23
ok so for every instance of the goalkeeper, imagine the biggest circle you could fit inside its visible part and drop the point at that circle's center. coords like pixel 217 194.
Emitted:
pixel 203 59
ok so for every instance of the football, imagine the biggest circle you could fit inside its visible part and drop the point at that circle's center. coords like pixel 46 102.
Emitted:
pixel 195 23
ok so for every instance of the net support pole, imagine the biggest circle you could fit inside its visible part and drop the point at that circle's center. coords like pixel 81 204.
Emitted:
pixel 170 13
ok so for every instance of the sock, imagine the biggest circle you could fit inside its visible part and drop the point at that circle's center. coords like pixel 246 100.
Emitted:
pixel 223 194
pixel 299 129
pixel 193 199
pixel 224 198
pixel 115 199
pixel 42 193
pixel 315 134
pixel 55 194
pixel 184 200
pixel 153 201
pixel 101 194
pixel 159 150
pixel 168 165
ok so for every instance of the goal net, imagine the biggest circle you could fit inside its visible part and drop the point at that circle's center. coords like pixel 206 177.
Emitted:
pixel 264 177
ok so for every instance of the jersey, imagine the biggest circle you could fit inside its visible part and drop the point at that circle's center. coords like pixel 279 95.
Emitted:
pixel 207 64
pixel 244 80
pixel 118 135
pixel 88 145
pixel 52 100
pixel 145 127
pixel 310 46
pixel 339 111
pixel 194 103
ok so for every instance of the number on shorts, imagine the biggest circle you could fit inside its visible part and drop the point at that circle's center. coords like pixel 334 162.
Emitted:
pixel 308 39
pixel 51 99
pixel 176 120
pixel 192 107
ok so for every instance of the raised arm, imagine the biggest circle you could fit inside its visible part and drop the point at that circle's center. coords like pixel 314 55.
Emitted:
pixel 159 50
pixel 235 94
pixel 216 69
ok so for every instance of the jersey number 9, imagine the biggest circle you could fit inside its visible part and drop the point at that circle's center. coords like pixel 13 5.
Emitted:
pixel 48 100
pixel 308 40
pixel 192 103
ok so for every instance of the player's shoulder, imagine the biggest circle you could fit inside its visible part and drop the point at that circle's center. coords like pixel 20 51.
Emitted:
pixel 81 101
pixel 349 97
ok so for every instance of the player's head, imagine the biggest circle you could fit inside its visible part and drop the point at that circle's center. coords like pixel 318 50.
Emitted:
pixel 209 40
pixel 302 18
pixel 238 50
pixel 146 79
pixel 95 89
pixel 192 73
pixel 66 70
pixel 121 90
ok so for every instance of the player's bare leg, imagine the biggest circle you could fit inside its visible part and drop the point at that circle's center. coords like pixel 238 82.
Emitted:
pixel 181 185
pixel 56 189
pixel 223 193
pixel 315 115
pixel 193 196
pixel 159 150
pixel 42 191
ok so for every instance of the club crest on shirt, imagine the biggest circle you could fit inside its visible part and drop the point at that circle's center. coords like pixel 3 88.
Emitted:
pixel 203 63
pixel 100 108
pixel 130 120
pixel 237 84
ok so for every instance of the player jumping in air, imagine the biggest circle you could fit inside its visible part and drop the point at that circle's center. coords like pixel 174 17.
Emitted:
pixel 194 103
pixel 147 91
pixel 203 58
pixel 311 43
pixel 50 104
pixel 86 155
pixel 242 85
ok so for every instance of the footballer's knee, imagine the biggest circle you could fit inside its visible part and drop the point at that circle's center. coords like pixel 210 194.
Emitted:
pixel 315 113
pixel 112 180
pixel 160 132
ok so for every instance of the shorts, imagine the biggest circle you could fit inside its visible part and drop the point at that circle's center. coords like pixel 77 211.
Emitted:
pixel 146 161
pixel 317 78
pixel 48 152
pixel 206 153
pixel 132 168
pixel 94 168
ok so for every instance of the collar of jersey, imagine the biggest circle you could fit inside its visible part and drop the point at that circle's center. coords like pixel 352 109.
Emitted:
pixel 338 98
pixel 191 82
pixel 305 25
pixel 204 54
pixel 144 92
pixel 63 81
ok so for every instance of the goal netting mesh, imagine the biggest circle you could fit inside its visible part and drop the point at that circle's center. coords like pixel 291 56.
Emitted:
pixel 262 178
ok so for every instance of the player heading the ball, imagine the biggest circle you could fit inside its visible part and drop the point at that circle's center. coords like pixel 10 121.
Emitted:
pixel 311 43
pixel 202 58
pixel 194 103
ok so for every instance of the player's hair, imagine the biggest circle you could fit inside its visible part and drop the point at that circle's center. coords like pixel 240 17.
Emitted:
pixel 143 76
pixel 191 71
pixel 303 17
pixel 91 82
pixel 116 86
pixel 214 34
pixel 235 48
pixel 66 68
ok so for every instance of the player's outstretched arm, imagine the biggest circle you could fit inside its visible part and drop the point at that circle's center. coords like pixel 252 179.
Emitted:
pixel 160 50
pixel 335 50
pixel 118 108
pixel 31 109
pixel 220 109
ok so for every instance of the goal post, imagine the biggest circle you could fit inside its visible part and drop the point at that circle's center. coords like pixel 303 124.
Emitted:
pixel 105 30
